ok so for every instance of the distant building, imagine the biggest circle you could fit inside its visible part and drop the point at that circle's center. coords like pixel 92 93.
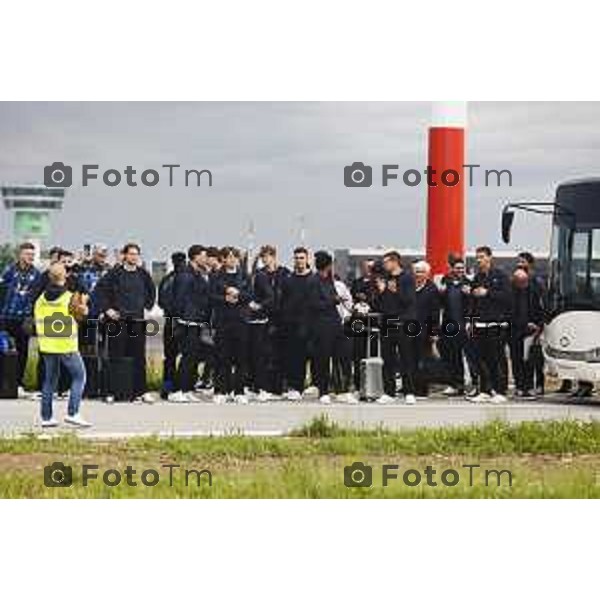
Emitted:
pixel 158 269
pixel 31 207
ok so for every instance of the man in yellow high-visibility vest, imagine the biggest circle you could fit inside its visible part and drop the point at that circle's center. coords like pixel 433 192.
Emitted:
pixel 58 344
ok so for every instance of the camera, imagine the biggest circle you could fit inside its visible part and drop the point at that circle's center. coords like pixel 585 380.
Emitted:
pixel 358 175
pixel 358 475
pixel 58 175
pixel 58 475
pixel 58 325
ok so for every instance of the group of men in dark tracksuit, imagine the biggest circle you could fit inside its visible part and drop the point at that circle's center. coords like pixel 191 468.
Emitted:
pixel 461 320
pixel 267 331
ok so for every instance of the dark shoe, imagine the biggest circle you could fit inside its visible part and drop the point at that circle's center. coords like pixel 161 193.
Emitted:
pixel 566 387
pixel 583 391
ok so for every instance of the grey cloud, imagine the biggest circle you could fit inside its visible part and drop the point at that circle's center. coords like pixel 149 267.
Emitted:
pixel 273 162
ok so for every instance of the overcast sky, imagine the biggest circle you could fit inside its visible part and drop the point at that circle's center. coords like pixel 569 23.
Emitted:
pixel 274 162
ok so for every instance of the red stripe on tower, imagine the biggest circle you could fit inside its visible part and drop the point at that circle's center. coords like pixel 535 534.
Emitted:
pixel 446 203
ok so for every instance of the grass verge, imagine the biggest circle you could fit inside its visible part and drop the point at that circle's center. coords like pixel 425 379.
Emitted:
pixel 557 459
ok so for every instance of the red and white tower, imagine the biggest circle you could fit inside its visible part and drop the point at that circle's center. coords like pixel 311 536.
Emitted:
pixel 446 203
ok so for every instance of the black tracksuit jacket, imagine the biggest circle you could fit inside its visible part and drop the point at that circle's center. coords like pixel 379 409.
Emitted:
pixel 192 299
pixel 400 304
pixel 129 292
pixel 496 305
pixel 295 300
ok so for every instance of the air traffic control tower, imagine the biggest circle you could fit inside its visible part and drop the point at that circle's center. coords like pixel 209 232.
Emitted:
pixel 31 207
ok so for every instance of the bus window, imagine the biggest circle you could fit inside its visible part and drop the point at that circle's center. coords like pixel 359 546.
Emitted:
pixel 579 257
pixel 595 263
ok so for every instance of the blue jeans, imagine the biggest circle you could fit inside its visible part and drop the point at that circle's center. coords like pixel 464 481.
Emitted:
pixel 74 365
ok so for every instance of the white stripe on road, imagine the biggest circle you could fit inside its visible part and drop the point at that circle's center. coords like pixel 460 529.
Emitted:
pixel 114 435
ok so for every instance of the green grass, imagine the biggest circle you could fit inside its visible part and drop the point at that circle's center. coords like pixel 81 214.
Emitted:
pixel 555 459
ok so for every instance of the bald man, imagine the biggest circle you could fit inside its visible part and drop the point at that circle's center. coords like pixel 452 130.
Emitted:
pixel 527 321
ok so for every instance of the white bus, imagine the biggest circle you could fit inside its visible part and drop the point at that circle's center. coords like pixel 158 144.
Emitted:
pixel 571 338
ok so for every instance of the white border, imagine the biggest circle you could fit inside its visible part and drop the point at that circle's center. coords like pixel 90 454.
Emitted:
pixel 294 549
pixel 313 50
pixel 310 50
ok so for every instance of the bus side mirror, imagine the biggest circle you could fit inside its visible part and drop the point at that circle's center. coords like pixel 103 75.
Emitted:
pixel 508 217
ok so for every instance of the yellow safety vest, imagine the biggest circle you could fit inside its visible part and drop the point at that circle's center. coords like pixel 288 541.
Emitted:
pixel 56 328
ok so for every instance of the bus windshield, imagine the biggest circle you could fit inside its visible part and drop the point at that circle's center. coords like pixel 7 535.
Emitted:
pixel 574 269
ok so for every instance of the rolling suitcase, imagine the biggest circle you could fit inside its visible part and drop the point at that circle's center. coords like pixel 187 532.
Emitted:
pixel 117 378
pixel 115 374
pixel 8 375
pixel 371 372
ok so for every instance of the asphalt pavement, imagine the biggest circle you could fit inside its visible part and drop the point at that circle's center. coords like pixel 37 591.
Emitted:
pixel 278 417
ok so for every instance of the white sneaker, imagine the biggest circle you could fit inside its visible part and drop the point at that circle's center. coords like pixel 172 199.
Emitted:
pixel 410 399
pixel 264 396
pixel 311 390
pixel 219 399
pixel 148 398
pixel 240 399
pixel 178 397
pixel 498 399
pixel 325 399
pixel 49 423
pixel 480 398
pixel 77 420
pixel 109 399
pixel 450 391
pixel 347 398
pixel 294 395
pixel 251 395
pixel 385 399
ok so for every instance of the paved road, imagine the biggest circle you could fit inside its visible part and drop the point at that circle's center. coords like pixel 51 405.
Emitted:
pixel 277 418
